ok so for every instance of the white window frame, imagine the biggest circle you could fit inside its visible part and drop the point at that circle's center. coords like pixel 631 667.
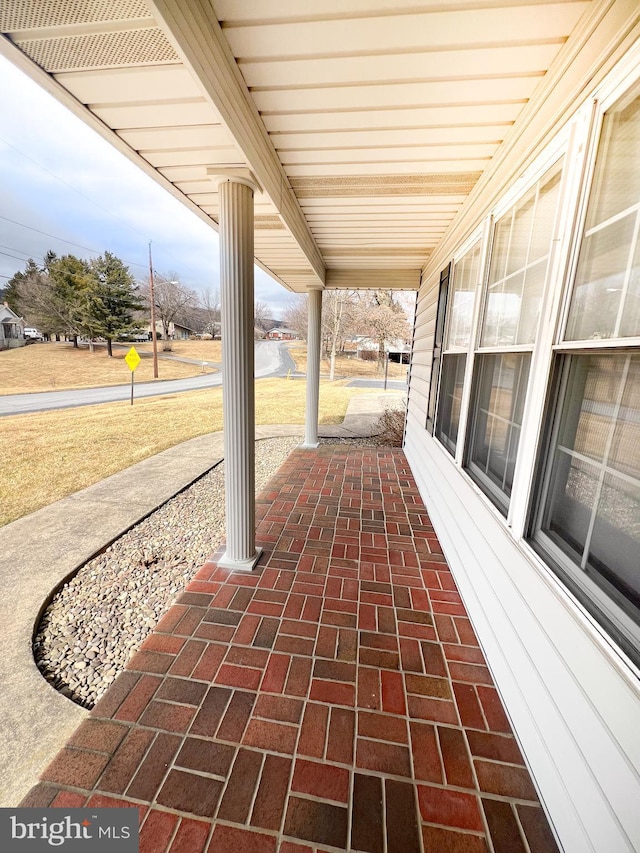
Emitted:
pixel 558 148
pixel 479 233
pixel 589 121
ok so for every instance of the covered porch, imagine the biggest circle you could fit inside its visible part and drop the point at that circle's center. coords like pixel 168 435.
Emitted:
pixel 336 698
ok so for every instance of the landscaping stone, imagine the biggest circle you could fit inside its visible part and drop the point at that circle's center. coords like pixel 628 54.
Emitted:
pixel 102 615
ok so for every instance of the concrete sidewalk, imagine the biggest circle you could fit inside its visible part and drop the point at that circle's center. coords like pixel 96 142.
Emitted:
pixel 40 551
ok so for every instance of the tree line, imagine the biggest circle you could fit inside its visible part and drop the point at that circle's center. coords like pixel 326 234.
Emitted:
pixel 71 297
pixel 74 298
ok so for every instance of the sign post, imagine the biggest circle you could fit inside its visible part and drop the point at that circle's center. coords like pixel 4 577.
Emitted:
pixel 133 360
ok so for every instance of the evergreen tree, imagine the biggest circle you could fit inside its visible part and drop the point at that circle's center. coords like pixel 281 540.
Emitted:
pixel 111 300
pixel 70 279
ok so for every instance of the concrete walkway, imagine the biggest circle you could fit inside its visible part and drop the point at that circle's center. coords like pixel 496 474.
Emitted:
pixel 40 551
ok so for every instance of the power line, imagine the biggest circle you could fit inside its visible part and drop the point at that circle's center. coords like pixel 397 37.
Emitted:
pixel 62 240
pixel 7 255
pixel 19 251
pixel 62 181
pixel 52 236
pixel 82 195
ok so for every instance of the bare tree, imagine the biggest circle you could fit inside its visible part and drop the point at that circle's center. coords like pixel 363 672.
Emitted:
pixel 385 321
pixel 339 319
pixel 262 316
pixel 295 315
pixel 171 298
pixel 53 296
pixel 210 303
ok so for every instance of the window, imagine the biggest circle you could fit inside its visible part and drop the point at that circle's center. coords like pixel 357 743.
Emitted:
pixel 441 314
pixel 517 274
pixel 586 520
pixel 500 391
pixel 521 247
pixel 466 273
pixel 606 297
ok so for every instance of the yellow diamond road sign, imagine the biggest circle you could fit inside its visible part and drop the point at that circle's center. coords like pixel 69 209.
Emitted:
pixel 132 358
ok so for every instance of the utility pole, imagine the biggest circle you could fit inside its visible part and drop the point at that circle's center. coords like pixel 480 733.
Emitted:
pixel 154 338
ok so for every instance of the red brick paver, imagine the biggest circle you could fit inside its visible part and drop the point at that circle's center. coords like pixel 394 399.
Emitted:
pixel 334 699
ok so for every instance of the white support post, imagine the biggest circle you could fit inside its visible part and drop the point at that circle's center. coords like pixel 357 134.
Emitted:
pixel 236 298
pixel 313 368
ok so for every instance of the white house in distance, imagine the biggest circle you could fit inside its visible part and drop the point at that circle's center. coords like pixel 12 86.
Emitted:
pixel 486 155
pixel 11 328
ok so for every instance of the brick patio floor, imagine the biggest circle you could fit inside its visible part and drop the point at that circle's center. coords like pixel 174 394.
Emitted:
pixel 334 699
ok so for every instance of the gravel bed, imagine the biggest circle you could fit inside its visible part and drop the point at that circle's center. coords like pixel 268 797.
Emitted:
pixel 100 617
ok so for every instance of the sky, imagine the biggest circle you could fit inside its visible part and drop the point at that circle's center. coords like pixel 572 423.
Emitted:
pixel 64 188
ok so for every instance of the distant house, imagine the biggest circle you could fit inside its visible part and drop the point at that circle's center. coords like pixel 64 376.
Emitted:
pixel 11 328
pixel 282 334
pixel 180 332
pixel 177 331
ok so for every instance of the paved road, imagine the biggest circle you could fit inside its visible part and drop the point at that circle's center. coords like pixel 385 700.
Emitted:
pixel 272 359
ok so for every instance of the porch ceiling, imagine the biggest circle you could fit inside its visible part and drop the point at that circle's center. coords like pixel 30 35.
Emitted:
pixel 366 122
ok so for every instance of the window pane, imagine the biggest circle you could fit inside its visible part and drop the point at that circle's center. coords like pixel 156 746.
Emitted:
pixel 592 506
pixel 593 385
pixel 545 217
pixel 616 183
pixel 521 233
pixel 451 383
pixel 606 298
pixel 624 454
pixel 497 419
pixel 613 549
pixel 531 300
pixel 631 314
pixel 500 248
pixel 572 496
pixel 503 311
pixel 522 240
pixel 465 280
pixel 602 267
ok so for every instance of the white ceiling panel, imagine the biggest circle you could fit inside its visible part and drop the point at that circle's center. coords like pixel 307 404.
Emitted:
pixel 239 11
pixel 160 138
pixel 163 114
pixel 464 117
pixel 191 156
pixel 398 33
pixel 373 139
pixel 391 96
pixel 496 61
pixel 359 169
pixel 123 85
pixel 406 154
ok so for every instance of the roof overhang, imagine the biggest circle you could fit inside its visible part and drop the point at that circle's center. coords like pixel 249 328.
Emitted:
pixel 374 131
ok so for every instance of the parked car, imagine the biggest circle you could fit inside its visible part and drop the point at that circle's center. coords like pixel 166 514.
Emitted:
pixel 136 336
pixel 32 334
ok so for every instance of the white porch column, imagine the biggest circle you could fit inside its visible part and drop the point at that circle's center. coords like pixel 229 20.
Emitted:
pixel 313 368
pixel 237 307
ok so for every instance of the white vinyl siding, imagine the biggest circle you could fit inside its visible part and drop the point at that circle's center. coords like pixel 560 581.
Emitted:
pixel 571 691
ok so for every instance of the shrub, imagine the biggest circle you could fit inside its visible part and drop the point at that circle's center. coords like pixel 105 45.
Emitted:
pixel 390 426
